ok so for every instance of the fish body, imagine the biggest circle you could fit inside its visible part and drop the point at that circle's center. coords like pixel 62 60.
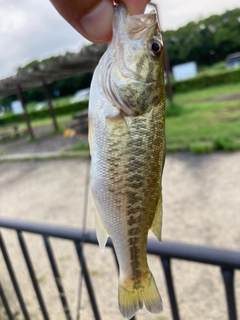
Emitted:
pixel 127 145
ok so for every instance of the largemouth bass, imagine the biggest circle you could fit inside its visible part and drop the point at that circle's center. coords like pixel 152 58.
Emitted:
pixel 127 145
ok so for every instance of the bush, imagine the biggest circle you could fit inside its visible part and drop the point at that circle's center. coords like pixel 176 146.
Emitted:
pixel 201 147
pixel 226 143
pixel 208 80
pixel 173 109
pixel 176 147
pixel 44 113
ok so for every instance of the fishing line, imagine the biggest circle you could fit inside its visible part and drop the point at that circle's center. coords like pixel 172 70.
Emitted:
pixel 84 225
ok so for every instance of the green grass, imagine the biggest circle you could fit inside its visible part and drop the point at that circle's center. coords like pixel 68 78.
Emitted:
pixel 81 146
pixel 47 121
pixel 161 318
pixel 208 93
pixel 206 122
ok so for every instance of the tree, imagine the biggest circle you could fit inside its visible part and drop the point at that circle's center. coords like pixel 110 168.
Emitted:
pixel 206 41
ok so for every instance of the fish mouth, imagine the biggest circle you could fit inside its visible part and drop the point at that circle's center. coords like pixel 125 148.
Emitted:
pixel 136 25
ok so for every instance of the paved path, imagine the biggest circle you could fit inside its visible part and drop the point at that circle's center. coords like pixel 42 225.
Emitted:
pixel 201 205
pixel 29 156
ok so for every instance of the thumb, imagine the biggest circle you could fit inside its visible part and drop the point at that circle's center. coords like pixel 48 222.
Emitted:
pixel 97 24
pixel 135 6
pixel 91 18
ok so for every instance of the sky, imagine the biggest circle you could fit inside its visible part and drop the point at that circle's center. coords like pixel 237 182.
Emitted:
pixel 33 29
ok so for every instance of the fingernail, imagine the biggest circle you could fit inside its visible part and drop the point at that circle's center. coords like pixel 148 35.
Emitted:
pixel 98 23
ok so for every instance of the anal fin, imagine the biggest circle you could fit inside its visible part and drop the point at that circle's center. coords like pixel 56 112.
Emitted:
pixel 102 234
pixel 157 221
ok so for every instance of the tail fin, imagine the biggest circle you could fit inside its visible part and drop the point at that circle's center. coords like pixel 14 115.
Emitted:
pixel 133 294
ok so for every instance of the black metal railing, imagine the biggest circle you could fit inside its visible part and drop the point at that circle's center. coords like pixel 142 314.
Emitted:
pixel 227 260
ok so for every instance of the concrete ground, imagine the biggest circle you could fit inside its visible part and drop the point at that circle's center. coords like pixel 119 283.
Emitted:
pixel 201 206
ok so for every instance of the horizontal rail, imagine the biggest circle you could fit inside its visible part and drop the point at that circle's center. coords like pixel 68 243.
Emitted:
pixel 225 258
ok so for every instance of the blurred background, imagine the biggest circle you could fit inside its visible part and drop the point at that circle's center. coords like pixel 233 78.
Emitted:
pixel 46 69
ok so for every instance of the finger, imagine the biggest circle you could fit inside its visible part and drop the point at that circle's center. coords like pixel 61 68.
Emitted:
pixel 91 18
pixel 135 6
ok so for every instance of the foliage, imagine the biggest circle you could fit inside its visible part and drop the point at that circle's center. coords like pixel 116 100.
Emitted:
pixel 44 113
pixel 206 41
pixel 6 101
pixel 35 63
pixel 70 86
pixel 207 80
pixel 215 68
pixel 65 87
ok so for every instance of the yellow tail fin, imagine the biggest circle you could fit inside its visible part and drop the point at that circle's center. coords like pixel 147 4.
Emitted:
pixel 133 294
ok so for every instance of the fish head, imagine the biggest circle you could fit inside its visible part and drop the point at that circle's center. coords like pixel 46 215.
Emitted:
pixel 133 74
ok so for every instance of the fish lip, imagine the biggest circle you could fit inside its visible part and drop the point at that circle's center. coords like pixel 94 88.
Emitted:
pixel 132 25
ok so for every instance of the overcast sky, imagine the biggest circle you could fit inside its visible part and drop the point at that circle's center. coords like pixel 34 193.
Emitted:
pixel 32 29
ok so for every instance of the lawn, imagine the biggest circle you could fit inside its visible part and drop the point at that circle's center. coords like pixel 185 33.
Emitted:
pixel 47 121
pixel 205 120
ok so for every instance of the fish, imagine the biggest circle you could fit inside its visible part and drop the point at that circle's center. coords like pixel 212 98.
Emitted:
pixel 127 146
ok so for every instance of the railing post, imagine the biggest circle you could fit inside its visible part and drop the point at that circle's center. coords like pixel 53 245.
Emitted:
pixel 171 292
pixel 13 278
pixel 57 278
pixel 5 303
pixel 87 280
pixel 32 275
pixel 228 277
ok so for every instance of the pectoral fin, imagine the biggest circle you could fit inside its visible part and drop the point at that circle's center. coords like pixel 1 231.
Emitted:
pixel 157 221
pixel 102 234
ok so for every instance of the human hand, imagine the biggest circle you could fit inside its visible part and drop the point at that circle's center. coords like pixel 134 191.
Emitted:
pixel 93 18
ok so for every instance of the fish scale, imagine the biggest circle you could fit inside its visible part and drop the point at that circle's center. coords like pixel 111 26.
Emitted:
pixel 127 144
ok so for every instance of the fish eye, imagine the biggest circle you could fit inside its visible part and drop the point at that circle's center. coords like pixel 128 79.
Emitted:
pixel 156 48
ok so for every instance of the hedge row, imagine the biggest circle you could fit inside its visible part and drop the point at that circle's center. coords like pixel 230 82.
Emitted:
pixel 44 113
pixel 205 81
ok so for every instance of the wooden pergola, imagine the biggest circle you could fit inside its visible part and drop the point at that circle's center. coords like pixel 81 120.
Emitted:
pixel 65 67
